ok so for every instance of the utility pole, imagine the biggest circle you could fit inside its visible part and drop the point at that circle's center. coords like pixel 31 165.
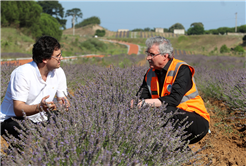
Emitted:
pixel 73 24
pixel 236 23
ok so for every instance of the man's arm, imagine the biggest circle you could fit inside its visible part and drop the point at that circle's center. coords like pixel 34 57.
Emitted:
pixel 180 87
pixel 145 94
pixel 32 109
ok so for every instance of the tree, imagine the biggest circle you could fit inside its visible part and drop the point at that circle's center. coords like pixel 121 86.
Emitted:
pixel 242 29
pixel 92 20
pixel 55 9
pixel 47 25
pixel 75 12
pixel 147 29
pixel 165 29
pixel 20 13
pixel 100 33
pixel 176 26
pixel 196 24
pixel 196 30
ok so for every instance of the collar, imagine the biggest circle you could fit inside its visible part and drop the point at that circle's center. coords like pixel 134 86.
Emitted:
pixel 165 68
pixel 167 65
pixel 51 73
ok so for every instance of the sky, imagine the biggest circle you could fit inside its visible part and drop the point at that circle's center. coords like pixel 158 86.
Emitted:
pixel 130 15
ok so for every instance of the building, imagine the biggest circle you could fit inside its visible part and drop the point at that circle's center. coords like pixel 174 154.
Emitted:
pixel 123 30
pixel 160 30
pixel 179 31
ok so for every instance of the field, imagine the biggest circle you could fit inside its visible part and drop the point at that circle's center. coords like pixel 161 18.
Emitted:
pixel 101 129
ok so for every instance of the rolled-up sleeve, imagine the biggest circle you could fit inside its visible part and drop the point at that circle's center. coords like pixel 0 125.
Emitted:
pixel 19 86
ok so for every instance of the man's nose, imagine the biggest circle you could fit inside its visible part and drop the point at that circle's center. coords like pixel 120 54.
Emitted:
pixel 148 57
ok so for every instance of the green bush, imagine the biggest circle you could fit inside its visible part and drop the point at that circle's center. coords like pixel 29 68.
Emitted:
pixel 238 49
pixel 47 25
pixel 100 33
pixel 94 45
pixel 224 49
pixel 196 30
pixel 244 39
pixel 88 21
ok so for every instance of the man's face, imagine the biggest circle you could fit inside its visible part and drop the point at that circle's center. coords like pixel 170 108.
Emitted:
pixel 55 60
pixel 158 61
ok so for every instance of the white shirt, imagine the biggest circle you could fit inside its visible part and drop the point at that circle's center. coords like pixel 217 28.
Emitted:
pixel 27 85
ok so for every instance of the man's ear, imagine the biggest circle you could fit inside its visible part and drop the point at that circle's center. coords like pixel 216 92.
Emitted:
pixel 45 61
pixel 166 55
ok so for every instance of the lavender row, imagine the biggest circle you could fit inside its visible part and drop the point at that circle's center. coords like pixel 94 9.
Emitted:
pixel 100 128
pixel 221 78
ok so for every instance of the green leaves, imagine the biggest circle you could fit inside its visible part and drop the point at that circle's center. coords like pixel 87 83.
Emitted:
pixel 88 21
pixel 196 30
pixel 54 8
pixel 100 33
pixel 224 49
pixel 176 26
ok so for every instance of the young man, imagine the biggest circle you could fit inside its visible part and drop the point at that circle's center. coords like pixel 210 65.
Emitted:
pixel 33 86
pixel 171 81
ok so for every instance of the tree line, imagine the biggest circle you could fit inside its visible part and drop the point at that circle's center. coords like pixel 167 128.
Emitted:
pixel 197 28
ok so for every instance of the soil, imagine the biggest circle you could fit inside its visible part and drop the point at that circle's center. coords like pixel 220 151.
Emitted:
pixel 226 144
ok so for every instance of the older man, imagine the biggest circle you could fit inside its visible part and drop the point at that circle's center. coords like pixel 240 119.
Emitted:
pixel 171 81
pixel 33 86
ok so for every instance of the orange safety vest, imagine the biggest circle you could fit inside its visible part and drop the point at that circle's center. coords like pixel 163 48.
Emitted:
pixel 190 102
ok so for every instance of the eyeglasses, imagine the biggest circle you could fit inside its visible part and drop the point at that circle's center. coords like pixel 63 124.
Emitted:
pixel 151 54
pixel 57 57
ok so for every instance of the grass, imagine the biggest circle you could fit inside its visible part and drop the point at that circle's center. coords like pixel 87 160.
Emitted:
pixel 199 44
pixel 13 41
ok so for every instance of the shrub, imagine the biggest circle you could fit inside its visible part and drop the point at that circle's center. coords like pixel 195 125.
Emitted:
pixel 94 45
pixel 92 20
pixel 239 49
pixel 224 49
pixel 100 33
pixel 244 39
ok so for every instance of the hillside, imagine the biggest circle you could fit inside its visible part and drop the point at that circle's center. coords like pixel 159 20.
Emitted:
pixel 88 30
pixel 13 41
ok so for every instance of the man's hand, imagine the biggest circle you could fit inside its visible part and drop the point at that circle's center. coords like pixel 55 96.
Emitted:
pixel 46 105
pixel 20 106
pixel 63 101
pixel 150 102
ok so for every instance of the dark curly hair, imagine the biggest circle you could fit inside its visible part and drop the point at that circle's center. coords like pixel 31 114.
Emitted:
pixel 43 48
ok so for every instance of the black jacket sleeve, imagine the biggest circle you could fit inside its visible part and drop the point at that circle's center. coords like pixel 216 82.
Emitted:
pixel 182 84
pixel 144 91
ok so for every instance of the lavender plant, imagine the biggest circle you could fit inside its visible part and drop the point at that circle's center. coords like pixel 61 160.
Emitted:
pixel 101 129
pixel 221 78
pixel 6 70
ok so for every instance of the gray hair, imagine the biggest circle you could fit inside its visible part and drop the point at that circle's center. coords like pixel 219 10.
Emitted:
pixel 165 47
